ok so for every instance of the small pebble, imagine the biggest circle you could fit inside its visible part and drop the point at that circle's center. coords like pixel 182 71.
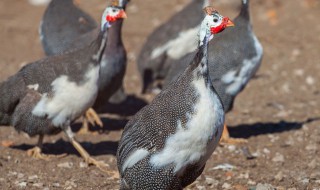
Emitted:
pixel 33 177
pixel 231 148
pixel 55 184
pixel 224 167
pixel 279 176
pixel 21 184
pixel 65 165
pixel 20 175
pixel 311 147
pixel 278 158
pixel 315 175
pixel 83 165
pixel 313 164
pixel 305 181
pixel 226 186
pixel 200 187
pixel 250 182
pixel 39 185
pixel 310 80
pixel 266 151
pixel 211 182
pixel 265 186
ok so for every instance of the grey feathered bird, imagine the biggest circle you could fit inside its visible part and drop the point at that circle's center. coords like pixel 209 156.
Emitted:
pixel 234 57
pixel 169 42
pixel 167 143
pixel 46 96
pixel 65 27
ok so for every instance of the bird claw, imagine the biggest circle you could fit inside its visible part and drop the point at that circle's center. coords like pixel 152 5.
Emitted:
pixel 103 167
pixel 232 141
pixel 93 117
pixel 35 152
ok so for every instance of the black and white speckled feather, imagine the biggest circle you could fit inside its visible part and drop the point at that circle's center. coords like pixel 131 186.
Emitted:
pixel 234 57
pixel 167 143
pixel 45 96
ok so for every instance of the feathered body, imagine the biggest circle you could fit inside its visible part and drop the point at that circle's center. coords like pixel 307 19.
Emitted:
pixel 47 95
pixel 167 143
pixel 79 30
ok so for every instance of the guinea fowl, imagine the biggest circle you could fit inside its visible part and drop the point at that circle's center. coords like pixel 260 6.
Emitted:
pixel 234 57
pixel 46 96
pixel 169 42
pixel 76 29
pixel 167 143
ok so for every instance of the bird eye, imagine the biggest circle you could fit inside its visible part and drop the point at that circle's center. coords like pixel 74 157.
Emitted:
pixel 215 20
pixel 113 10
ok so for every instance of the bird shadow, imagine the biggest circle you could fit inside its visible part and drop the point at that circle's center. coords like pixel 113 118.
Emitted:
pixel 255 129
pixel 65 147
pixel 128 107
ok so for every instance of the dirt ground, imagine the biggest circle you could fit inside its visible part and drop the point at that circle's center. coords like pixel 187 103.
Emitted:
pixel 278 112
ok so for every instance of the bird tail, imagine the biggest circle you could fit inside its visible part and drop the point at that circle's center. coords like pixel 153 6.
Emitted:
pixel 10 93
pixel 245 9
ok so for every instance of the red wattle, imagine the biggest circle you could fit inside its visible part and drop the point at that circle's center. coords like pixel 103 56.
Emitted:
pixel 110 18
pixel 215 30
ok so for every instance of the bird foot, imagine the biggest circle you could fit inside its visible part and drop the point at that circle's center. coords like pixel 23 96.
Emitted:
pixel 36 152
pixel 103 167
pixel 93 117
pixel 232 141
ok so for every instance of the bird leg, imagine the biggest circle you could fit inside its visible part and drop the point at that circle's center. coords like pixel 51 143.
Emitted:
pixel 226 139
pixel 86 156
pixel 90 117
pixel 35 152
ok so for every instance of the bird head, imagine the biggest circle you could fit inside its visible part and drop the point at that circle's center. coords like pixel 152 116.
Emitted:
pixel 213 23
pixel 110 15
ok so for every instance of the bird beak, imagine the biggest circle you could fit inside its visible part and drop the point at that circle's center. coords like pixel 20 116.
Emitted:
pixel 122 14
pixel 229 23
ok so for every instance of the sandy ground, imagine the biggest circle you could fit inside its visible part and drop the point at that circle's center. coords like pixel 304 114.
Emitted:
pixel 278 113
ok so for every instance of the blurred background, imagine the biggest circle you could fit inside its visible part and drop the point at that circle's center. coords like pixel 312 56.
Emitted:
pixel 278 112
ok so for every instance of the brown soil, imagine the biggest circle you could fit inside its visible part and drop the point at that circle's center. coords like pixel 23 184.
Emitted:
pixel 278 113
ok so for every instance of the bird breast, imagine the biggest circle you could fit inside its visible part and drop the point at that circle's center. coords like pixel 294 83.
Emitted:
pixel 195 142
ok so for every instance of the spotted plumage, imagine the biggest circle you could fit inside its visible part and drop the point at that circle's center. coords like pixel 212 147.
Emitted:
pixel 167 143
pixel 46 96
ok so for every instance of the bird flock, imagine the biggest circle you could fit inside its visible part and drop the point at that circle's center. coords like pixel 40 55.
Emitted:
pixel 196 63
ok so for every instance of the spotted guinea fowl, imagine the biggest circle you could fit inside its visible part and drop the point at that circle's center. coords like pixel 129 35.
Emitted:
pixel 167 143
pixel 46 96
pixel 169 42
pixel 234 57
pixel 76 29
